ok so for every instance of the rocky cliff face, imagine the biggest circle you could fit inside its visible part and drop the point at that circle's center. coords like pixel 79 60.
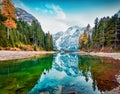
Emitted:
pixel 56 37
pixel 68 40
pixel 25 16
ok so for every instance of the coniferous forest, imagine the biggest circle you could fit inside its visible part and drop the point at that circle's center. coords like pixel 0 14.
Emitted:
pixel 19 35
pixel 104 36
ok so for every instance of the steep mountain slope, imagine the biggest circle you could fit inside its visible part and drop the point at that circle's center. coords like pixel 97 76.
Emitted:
pixel 25 16
pixel 68 41
pixel 55 37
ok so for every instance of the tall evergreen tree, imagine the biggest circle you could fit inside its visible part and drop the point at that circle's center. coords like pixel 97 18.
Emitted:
pixel 94 35
pixel 48 42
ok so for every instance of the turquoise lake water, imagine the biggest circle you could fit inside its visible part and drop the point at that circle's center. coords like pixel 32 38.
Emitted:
pixel 59 74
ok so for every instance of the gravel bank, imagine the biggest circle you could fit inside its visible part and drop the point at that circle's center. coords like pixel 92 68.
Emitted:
pixel 111 55
pixel 102 54
pixel 14 55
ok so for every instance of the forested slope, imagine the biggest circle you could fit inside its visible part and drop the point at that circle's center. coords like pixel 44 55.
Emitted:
pixel 17 33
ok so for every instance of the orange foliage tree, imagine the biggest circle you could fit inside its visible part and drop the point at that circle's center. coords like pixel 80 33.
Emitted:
pixel 8 10
pixel 10 23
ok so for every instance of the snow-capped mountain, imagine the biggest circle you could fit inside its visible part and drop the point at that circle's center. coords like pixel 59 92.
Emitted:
pixel 68 40
pixel 56 37
pixel 25 16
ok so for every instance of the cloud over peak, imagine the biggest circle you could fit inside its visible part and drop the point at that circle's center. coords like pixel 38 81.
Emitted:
pixel 52 18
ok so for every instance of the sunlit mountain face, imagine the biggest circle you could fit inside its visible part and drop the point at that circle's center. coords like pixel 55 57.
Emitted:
pixel 68 40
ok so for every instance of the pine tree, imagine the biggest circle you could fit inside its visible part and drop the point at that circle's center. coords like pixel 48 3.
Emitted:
pixel 95 35
pixel 48 42
pixel 88 31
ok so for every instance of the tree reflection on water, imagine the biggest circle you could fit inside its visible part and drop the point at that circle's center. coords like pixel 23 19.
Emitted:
pixel 75 74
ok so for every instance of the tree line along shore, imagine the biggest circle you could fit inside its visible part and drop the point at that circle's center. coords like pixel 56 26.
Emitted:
pixel 103 37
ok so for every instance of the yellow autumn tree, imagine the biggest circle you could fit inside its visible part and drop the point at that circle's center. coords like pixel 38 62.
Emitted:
pixel 85 39
pixel 8 10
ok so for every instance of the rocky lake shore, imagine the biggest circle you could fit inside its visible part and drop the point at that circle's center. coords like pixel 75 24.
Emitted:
pixel 16 55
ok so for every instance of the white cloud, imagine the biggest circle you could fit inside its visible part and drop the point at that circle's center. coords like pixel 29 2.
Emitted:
pixel 60 15
pixel 53 26
pixel 51 18
pixel 59 12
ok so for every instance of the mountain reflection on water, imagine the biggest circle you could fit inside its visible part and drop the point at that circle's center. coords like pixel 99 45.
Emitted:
pixel 74 74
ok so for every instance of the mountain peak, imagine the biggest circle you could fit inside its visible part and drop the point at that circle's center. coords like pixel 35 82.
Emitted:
pixel 72 29
pixel 68 40
pixel 23 15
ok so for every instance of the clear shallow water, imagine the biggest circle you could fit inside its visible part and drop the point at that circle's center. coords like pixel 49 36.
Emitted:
pixel 74 74
pixel 18 77
pixel 59 74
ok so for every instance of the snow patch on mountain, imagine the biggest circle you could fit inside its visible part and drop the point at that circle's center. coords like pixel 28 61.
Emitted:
pixel 56 37
pixel 68 40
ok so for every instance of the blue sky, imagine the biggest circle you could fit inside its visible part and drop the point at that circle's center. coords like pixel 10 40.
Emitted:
pixel 58 15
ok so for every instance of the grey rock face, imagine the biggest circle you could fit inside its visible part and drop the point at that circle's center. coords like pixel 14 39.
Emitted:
pixel 68 40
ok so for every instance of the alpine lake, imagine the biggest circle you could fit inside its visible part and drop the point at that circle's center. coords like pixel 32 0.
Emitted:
pixel 59 73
